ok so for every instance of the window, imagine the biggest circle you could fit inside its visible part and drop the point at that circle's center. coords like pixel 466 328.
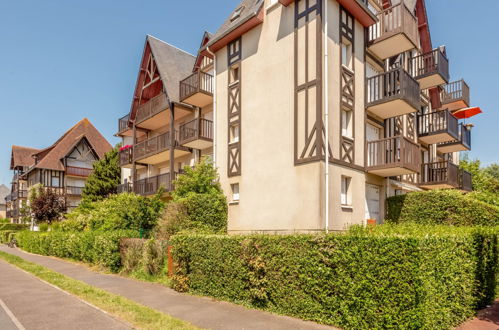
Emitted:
pixel 234 74
pixel 345 190
pixel 234 133
pixel 346 123
pixel 237 13
pixel 235 192
pixel 346 54
pixel 55 181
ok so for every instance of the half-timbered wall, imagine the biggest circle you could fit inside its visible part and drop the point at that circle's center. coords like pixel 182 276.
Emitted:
pixel 234 57
pixel 309 128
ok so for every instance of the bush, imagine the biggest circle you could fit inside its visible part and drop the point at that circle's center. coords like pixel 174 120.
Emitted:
pixel 198 203
pixel 99 248
pixel 143 256
pixel 359 280
pixel 6 236
pixel 118 212
pixel 448 207
pixel 13 226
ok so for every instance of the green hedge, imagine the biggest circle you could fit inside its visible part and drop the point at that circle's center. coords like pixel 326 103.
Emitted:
pixel 359 280
pixel 100 248
pixel 13 226
pixel 144 256
pixel 6 236
pixel 448 207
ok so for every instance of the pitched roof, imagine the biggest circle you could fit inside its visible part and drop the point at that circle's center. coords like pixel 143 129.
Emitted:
pixel 22 156
pixel 50 158
pixel 4 192
pixel 173 64
pixel 247 8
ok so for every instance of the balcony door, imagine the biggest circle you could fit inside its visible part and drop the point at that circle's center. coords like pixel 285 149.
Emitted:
pixel 372 134
pixel 373 202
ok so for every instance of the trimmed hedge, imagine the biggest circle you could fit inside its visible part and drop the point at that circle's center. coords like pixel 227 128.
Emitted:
pixel 448 207
pixel 360 280
pixel 13 226
pixel 6 236
pixel 100 248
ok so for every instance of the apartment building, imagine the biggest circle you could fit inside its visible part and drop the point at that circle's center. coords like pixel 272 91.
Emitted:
pixel 276 79
pixel 62 167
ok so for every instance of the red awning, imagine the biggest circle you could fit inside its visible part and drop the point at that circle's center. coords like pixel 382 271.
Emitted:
pixel 467 112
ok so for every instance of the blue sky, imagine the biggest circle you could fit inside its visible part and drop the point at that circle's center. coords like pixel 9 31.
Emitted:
pixel 62 60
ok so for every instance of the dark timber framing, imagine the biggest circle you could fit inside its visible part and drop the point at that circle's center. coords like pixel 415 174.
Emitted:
pixel 347 79
pixel 313 149
pixel 234 59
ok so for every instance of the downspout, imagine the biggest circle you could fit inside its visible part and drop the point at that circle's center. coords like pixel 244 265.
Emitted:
pixel 326 116
pixel 214 106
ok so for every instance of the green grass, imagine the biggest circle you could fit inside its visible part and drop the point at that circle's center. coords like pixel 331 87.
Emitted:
pixel 136 314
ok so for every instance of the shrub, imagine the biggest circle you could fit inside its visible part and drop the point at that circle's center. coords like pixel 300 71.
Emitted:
pixel 358 280
pixel 448 207
pixel 5 236
pixel 13 226
pixel 198 203
pixel 118 212
pixel 99 248
pixel 144 256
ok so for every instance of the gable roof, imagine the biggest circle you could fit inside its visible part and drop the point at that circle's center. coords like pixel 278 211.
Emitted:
pixel 50 158
pixel 22 156
pixel 250 9
pixel 173 64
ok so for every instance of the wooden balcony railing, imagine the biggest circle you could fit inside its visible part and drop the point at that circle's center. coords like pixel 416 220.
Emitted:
pixel 78 171
pixel 74 191
pixel 465 180
pixel 123 123
pixel 438 122
pixel 152 146
pixel 430 63
pixel 393 85
pixel 199 82
pixel 464 138
pixel 392 21
pixel 457 91
pixel 393 152
pixel 150 186
pixel 125 187
pixel 126 156
pixel 152 107
pixel 198 128
pixel 442 174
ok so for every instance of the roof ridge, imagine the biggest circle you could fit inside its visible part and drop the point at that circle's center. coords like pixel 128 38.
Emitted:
pixel 169 44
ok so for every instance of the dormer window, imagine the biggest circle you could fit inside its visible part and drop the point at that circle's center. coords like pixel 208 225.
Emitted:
pixel 237 13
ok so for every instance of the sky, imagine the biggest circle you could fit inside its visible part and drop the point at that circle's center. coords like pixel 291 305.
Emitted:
pixel 63 60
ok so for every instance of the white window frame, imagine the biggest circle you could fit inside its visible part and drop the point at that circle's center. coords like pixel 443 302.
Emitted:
pixel 347 54
pixel 346 196
pixel 347 123
pixel 234 138
pixel 234 187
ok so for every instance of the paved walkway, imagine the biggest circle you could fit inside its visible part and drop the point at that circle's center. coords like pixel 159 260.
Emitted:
pixel 28 303
pixel 202 312
pixel 487 319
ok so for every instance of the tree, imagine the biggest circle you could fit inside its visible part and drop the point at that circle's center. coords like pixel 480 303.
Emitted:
pixel 45 204
pixel 105 178
pixel 485 182
pixel 493 170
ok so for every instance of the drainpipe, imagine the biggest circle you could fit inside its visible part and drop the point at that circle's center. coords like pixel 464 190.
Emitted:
pixel 214 106
pixel 326 116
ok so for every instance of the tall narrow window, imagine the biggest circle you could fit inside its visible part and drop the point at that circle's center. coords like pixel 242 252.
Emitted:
pixel 235 192
pixel 346 123
pixel 346 54
pixel 234 133
pixel 345 190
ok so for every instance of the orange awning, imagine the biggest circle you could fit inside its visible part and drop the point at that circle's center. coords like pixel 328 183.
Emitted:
pixel 467 112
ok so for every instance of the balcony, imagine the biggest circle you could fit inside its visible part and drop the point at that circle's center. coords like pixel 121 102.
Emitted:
pixel 16 194
pixel 462 143
pixel 74 191
pixel 197 134
pixel 125 188
pixel 437 127
pixel 395 32
pixel 455 95
pixel 123 128
pixel 156 149
pixel 430 69
pixel 126 158
pixel 439 175
pixel 392 94
pixel 150 186
pixel 197 89
pixel 393 156
pixel 78 171
pixel 152 115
